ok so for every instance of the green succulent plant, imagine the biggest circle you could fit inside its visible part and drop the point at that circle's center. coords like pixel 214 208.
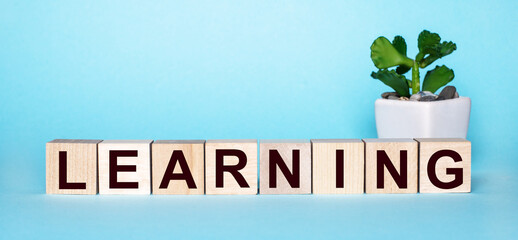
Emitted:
pixel 386 54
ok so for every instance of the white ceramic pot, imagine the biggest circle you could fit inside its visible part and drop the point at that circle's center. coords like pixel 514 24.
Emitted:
pixel 412 119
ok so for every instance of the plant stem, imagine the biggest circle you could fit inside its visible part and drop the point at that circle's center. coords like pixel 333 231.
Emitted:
pixel 415 78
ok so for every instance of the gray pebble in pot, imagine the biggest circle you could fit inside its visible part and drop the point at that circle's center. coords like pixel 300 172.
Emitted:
pixel 448 92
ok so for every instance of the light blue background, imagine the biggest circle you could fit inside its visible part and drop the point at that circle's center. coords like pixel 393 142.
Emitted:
pixel 243 69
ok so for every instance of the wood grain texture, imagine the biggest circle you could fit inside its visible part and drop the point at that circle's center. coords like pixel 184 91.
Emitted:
pixel 81 165
pixel 230 185
pixel 285 148
pixel 392 148
pixel 142 163
pixel 325 164
pixel 193 151
pixel 428 147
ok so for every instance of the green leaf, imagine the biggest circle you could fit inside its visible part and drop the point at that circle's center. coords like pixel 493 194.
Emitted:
pixel 439 51
pixel 402 69
pixel 400 45
pixel 390 78
pixel 385 55
pixel 427 41
pixel 445 48
pixel 437 78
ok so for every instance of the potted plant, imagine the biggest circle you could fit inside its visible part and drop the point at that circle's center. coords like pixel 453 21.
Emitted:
pixel 413 110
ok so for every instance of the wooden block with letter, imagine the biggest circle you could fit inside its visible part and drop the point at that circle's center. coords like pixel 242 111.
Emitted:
pixel 125 167
pixel 391 165
pixel 178 166
pixel 285 167
pixel 71 166
pixel 444 165
pixel 231 166
pixel 338 166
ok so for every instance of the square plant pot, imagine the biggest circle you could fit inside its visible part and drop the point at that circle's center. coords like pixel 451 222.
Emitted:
pixel 413 119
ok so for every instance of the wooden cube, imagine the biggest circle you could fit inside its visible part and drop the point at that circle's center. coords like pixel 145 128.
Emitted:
pixel 338 166
pixel 444 165
pixel 390 165
pixel 71 166
pixel 125 167
pixel 285 167
pixel 231 166
pixel 178 166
